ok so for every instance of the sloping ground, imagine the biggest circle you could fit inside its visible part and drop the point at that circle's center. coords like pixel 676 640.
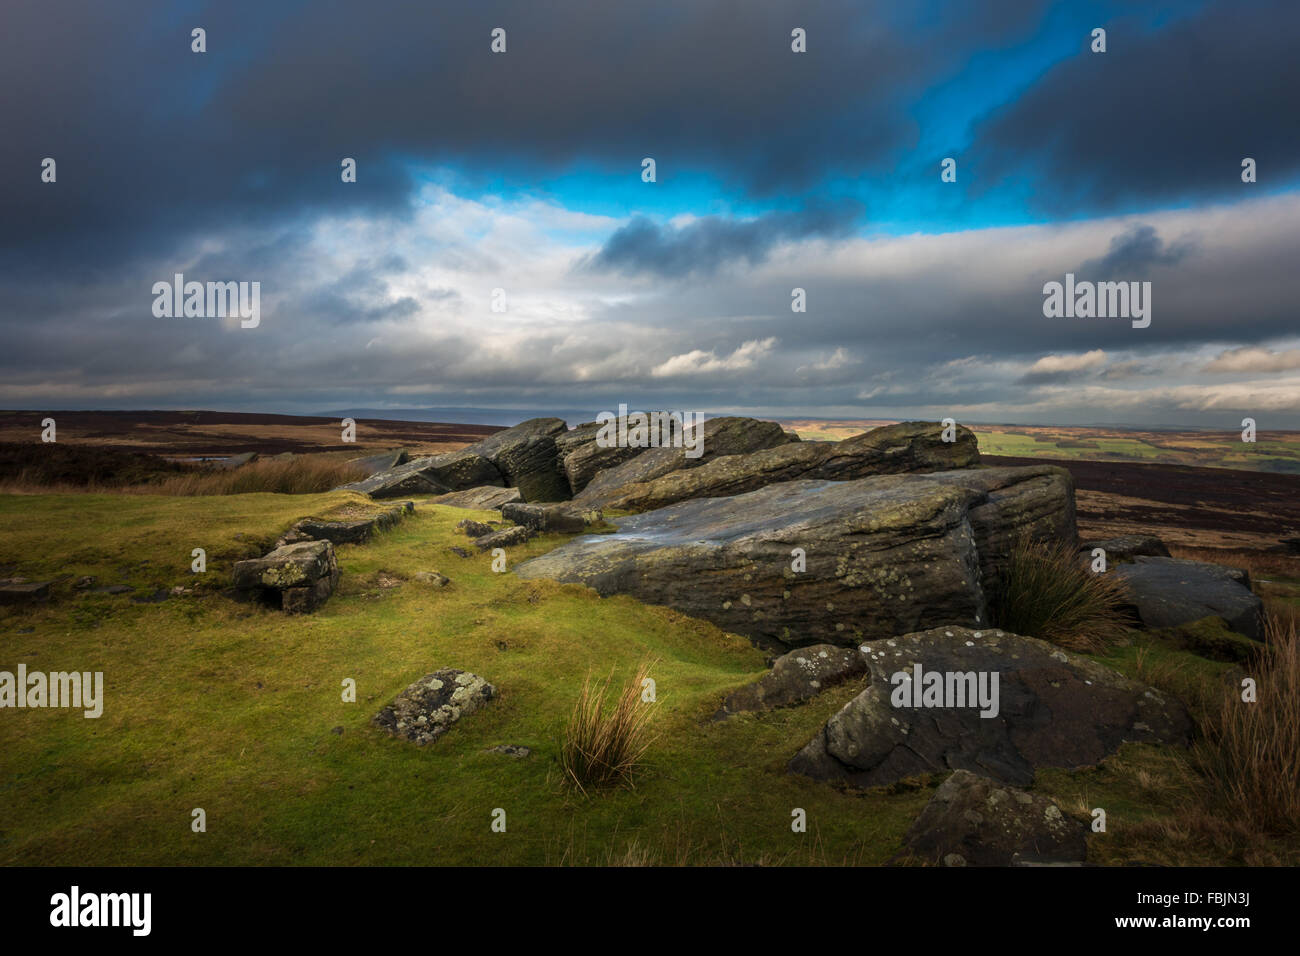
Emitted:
pixel 237 710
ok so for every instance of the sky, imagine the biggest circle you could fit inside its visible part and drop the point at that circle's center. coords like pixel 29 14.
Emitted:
pixel 775 170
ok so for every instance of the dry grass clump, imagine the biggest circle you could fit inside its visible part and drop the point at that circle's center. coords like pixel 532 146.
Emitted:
pixel 1048 593
pixel 603 745
pixel 300 475
pixel 1249 753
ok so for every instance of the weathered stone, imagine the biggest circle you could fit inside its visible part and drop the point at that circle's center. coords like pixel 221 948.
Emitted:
pixel 796 677
pixel 974 821
pixel 432 578
pixel 24 592
pixel 885 555
pixel 1053 709
pixel 891 449
pixel 426 709
pixel 1167 592
pixel 721 436
pixel 483 498
pixel 583 458
pixel 527 458
pixel 347 531
pixel 512 750
pixel 505 538
pixel 384 461
pixel 474 529
pixel 301 576
pixel 1126 547
pixel 431 475
pixel 544 517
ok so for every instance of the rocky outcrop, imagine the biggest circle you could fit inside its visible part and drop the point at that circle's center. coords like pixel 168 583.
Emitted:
pixel 883 556
pixel 482 498
pixel 426 709
pixel 298 577
pixel 527 458
pixel 721 436
pixel 505 538
pixel 18 591
pixel 891 449
pixel 1049 708
pixel 582 458
pixel 432 475
pixel 974 821
pixel 1167 592
pixel 796 677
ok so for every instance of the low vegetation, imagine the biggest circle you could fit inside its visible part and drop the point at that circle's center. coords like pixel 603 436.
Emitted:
pixel 1046 592
pixel 604 745
pixel 299 475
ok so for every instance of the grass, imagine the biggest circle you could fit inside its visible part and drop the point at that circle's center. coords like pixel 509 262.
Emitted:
pixel 603 746
pixel 237 709
pixel 1046 592
pixel 299 475
pixel 1249 753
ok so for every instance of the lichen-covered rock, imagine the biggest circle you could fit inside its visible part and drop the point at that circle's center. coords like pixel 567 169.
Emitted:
pixel 473 529
pixel 432 578
pixel 1050 708
pixel 721 436
pixel 882 556
pixel 505 538
pixel 974 821
pixel 890 449
pixel 1166 592
pixel 796 677
pixel 347 530
pixel 426 709
pixel 299 576
pixel 430 475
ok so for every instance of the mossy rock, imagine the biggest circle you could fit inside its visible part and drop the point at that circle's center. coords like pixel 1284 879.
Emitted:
pixel 1211 638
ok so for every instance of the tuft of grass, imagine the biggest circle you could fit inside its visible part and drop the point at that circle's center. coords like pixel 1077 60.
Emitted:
pixel 1249 753
pixel 1046 592
pixel 604 745
pixel 300 475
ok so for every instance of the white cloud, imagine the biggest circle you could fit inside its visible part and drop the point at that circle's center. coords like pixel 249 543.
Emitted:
pixel 698 362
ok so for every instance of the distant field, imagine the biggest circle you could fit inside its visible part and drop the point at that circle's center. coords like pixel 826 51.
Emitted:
pixel 1274 451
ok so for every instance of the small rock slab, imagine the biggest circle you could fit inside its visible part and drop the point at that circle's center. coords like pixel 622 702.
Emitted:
pixel 1167 592
pixel 512 750
pixel 432 578
pixel 541 517
pixel 301 576
pixel 24 592
pixel 975 821
pixel 1126 547
pixel 483 498
pixel 1054 709
pixel 505 538
pixel 426 709
pixel 796 677
pixel 348 531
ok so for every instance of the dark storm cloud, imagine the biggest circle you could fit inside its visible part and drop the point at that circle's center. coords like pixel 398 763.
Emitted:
pixel 1163 115
pixel 154 141
pixel 705 244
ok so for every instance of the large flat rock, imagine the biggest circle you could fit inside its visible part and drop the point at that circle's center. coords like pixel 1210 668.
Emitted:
pixel 884 555
pixel 430 475
pixel 891 449
pixel 1052 709
pixel 1167 592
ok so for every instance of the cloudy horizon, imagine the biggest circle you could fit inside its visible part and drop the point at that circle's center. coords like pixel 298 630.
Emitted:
pixel 522 172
